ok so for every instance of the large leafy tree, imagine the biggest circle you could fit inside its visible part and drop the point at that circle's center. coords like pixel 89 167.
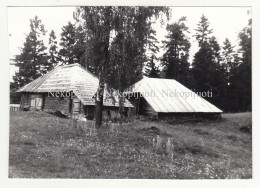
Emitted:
pixel 33 60
pixel 117 39
pixel 175 59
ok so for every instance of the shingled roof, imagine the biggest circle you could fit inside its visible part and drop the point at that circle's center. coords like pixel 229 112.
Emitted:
pixel 69 78
pixel 169 96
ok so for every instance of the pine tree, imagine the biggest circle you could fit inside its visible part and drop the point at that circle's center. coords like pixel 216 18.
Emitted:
pixel 68 41
pixel 228 59
pixel 206 67
pixel 151 70
pixel 245 44
pixel 203 32
pixel 227 65
pixel 33 60
pixel 177 52
pixel 73 43
pixel 80 44
pixel 54 58
pixel 240 78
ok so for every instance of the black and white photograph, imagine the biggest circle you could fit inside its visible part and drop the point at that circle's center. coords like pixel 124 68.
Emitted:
pixel 130 92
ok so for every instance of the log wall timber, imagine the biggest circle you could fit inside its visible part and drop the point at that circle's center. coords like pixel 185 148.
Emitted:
pixel 146 109
pixel 57 104
pixel 141 106
pixel 134 101
pixel 189 116
pixel 25 102
pixel 74 106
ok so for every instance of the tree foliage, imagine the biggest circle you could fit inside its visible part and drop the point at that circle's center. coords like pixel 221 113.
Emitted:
pixel 68 41
pixel 33 60
pixel 151 70
pixel 53 50
pixel 241 74
pixel 203 32
pixel 206 67
pixel 119 45
pixel 175 59
pixel 117 39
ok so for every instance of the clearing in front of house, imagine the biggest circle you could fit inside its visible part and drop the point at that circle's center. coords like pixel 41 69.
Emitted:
pixel 45 146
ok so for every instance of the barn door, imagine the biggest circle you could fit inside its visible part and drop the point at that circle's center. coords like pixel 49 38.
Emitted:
pixel 39 102
pixel 36 102
pixel 76 106
pixel 32 103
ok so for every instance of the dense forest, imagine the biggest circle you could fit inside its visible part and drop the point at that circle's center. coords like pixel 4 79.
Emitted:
pixel 113 43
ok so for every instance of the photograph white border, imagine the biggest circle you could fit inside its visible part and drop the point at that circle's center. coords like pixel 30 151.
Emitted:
pixel 4 109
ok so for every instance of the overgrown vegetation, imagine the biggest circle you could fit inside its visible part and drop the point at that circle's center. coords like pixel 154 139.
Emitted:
pixel 45 146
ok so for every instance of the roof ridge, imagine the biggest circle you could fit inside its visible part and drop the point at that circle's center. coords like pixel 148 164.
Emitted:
pixel 160 78
pixel 77 64
pixel 70 65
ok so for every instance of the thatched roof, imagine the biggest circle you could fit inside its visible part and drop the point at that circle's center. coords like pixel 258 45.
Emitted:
pixel 169 96
pixel 71 78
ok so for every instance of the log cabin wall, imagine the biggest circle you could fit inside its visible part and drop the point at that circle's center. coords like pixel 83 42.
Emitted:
pixel 134 102
pixel 141 107
pixel 145 108
pixel 53 103
pixel 109 113
pixel 25 101
pixel 189 116
pixel 67 106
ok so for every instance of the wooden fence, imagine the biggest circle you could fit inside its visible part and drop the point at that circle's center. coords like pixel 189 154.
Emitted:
pixel 14 107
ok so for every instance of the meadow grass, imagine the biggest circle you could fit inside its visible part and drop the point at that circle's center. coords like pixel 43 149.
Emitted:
pixel 45 146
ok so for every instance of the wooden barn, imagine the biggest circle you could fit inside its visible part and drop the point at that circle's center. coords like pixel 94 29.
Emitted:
pixel 69 89
pixel 168 98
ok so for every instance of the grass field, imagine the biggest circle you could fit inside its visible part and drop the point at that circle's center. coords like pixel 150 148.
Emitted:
pixel 45 146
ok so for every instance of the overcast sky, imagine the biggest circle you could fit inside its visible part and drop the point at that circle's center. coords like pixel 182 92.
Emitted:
pixel 226 22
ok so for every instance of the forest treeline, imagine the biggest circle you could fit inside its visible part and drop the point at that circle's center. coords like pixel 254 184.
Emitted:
pixel 119 45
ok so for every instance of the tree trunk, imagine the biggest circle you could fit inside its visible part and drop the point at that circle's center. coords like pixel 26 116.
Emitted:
pixel 121 98
pixel 103 41
pixel 99 104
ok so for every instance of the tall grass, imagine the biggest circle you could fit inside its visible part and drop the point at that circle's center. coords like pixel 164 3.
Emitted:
pixel 44 146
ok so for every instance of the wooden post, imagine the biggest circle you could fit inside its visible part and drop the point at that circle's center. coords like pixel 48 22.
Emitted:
pixel 98 114
pixel 21 101
pixel 99 102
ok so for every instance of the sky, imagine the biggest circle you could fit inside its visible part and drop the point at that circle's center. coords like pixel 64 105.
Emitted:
pixel 226 22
